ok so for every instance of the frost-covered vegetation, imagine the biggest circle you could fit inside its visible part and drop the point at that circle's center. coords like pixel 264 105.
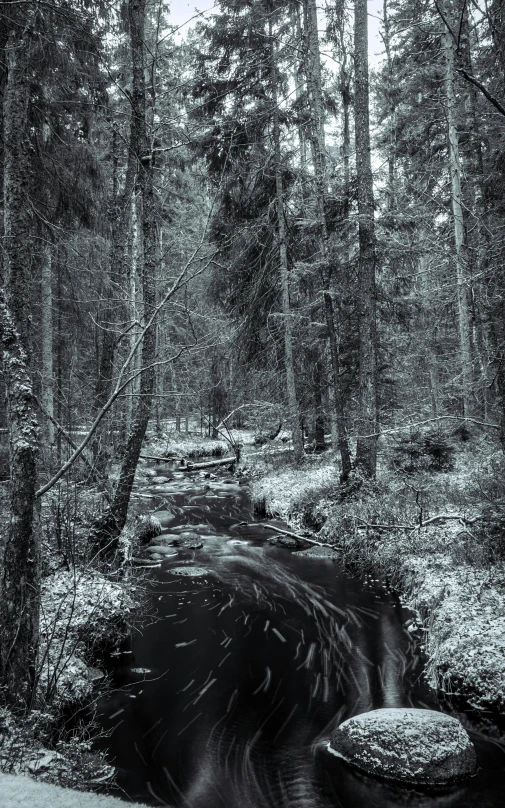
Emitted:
pixel 434 528
pixel 83 612
pixel 180 444
pixel 86 608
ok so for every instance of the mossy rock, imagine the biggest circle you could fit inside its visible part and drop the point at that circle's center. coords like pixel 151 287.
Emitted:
pixel 407 745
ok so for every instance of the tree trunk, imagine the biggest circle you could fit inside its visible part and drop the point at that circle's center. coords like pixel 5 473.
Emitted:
pixel 294 415
pixel 20 577
pixel 458 224
pixel 477 229
pixel 46 341
pixel 343 443
pixel 429 327
pixel 134 249
pixel 366 450
pixel 317 435
pixel 119 218
pixel 319 155
pixel 106 531
pixel 392 110
pixel 299 92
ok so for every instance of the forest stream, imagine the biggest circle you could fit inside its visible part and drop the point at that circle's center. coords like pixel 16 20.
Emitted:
pixel 227 696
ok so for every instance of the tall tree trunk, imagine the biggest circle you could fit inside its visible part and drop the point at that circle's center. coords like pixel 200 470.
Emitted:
pixel 458 225
pixel 160 340
pixel 429 326
pixel 319 155
pixel 20 576
pixel 119 219
pixel 343 442
pixel 105 533
pixel 317 430
pixel 366 450
pixel 46 343
pixel 298 80
pixel 477 230
pixel 59 355
pixel 134 262
pixel 391 191
pixel 294 415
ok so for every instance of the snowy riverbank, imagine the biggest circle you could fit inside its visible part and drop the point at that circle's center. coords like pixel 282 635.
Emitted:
pixel 443 570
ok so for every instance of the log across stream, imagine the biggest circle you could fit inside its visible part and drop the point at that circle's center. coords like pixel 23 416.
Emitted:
pixel 250 657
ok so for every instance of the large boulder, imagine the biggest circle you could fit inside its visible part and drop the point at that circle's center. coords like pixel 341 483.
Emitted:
pixel 420 747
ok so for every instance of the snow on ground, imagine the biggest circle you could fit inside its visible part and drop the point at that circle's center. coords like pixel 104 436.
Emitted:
pixel 79 609
pixel 283 492
pixel 18 791
pixel 183 445
pixel 465 626
pixel 459 596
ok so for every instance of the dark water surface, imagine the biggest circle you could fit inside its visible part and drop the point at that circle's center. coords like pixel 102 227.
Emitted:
pixel 228 696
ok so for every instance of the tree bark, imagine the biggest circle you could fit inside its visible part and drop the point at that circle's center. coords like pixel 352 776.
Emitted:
pixel 294 415
pixel 319 158
pixel 366 450
pixel 119 218
pixel 46 341
pixel 20 578
pixel 106 531
pixel 458 225
pixel 477 226
pixel 428 325
pixel 343 442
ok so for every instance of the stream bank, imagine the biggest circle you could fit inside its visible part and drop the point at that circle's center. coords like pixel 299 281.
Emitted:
pixel 229 694
pixel 444 570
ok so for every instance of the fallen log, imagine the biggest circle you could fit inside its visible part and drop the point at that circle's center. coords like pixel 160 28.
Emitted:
pixel 221 461
pixel 160 459
pixel 291 534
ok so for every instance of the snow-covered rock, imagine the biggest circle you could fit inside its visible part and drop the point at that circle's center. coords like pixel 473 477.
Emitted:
pixel 407 745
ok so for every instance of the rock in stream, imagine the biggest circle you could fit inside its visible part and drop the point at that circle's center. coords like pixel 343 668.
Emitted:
pixel 406 745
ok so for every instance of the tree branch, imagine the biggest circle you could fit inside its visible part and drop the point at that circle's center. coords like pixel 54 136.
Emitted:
pixel 485 92
pixel 440 517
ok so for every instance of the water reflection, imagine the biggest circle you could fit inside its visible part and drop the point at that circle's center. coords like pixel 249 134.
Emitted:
pixel 227 699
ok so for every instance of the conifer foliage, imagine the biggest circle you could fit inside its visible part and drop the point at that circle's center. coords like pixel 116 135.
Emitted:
pixel 250 216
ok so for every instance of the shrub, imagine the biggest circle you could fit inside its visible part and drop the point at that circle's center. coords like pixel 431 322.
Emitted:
pixel 431 451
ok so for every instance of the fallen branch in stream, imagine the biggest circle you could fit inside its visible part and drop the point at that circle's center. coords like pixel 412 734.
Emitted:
pixel 160 459
pixel 440 517
pixel 222 461
pixel 291 535
pixel 185 466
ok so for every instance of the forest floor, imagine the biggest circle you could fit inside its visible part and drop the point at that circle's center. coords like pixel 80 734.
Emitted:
pixel 450 570
pixel 86 610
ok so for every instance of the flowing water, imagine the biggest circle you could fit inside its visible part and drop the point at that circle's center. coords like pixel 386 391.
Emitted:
pixel 253 654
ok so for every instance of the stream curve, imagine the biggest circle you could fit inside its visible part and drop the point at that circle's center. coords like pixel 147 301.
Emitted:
pixel 228 695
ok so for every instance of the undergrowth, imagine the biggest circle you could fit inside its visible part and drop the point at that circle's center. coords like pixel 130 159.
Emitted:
pixel 436 533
